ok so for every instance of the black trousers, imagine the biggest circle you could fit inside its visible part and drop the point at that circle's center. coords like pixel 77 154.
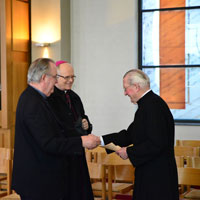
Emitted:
pixel 25 198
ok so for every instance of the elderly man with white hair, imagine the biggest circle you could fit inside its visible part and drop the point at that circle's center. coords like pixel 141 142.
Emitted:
pixel 151 140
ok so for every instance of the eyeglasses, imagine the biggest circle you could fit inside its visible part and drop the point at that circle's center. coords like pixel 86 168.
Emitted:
pixel 53 76
pixel 125 89
pixel 67 78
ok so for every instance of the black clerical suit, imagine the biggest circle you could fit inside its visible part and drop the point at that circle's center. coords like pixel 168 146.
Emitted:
pixel 40 168
pixel 152 153
pixel 71 118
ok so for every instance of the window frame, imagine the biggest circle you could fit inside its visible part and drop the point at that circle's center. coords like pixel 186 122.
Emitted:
pixel 140 53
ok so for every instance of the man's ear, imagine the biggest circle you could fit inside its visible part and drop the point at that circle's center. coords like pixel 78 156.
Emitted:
pixel 43 77
pixel 137 87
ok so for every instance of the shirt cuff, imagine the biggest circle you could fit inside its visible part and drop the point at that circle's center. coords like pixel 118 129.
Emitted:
pixel 102 142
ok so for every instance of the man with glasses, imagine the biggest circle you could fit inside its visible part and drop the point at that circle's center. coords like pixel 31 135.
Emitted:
pixel 69 109
pixel 40 166
pixel 148 141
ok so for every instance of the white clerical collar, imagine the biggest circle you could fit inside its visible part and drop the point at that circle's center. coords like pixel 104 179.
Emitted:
pixel 145 93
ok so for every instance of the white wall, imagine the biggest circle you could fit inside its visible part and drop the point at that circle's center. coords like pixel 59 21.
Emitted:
pixel 104 47
pixel 104 43
pixel 187 132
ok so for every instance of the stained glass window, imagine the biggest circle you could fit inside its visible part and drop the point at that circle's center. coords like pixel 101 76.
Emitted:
pixel 169 52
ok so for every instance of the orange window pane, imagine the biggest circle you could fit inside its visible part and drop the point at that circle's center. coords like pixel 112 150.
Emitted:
pixel 172 50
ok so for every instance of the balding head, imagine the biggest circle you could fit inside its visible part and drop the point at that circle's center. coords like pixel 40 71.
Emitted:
pixel 66 76
pixel 139 77
pixel 135 83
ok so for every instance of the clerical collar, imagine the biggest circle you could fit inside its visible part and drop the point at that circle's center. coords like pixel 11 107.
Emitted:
pixel 67 91
pixel 140 99
pixel 61 91
pixel 145 93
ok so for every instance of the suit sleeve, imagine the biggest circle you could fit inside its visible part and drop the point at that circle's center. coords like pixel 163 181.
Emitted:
pixel 121 138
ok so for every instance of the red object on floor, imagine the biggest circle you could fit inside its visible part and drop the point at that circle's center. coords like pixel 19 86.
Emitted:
pixel 123 197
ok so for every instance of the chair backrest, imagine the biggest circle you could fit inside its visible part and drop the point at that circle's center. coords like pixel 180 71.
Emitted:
pixel 189 176
pixel 123 169
pixel 6 168
pixel 186 151
pixel 114 159
pixel 119 174
pixel 88 155
pixel 97 174
pixel 5 153
pixel 95 170
pixel 192 143
pixel 99 157
pixel 124 173
pixel 97 149
pixel 96 155
pixel 179 161
pixel 193 162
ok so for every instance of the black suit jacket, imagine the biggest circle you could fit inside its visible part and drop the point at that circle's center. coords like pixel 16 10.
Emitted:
pixel 60 107
pixel 152 153
pixel 40 167
pixel 80 186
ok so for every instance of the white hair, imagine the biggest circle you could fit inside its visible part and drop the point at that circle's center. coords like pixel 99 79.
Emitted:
pixel 139 77
pixel 39 67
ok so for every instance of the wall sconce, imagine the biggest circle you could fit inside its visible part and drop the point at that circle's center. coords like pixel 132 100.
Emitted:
pixel 45 28
pixel 44 48
pixel 42 44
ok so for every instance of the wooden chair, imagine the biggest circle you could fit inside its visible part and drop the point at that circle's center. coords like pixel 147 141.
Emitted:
pixel 190 177
pixel 99 157
pixel 96 171
pixel 97 149
pixel 179 161
pixel 183 155
pixel 96 155
pixel 122 182
pixel 186 151
pixel 5 153
pixel 5 168
pixel 13 196
pixel 88 155
pixel 193 162
pixel 5 171
pixel 118 170
pixel 95 159
pixel 192 143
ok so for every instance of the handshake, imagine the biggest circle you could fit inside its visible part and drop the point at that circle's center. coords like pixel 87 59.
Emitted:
pixel 90 141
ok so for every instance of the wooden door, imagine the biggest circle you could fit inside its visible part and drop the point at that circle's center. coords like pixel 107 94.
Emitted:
pixel 15 66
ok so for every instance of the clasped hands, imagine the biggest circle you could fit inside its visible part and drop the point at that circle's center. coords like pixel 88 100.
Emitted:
pixel 90 141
